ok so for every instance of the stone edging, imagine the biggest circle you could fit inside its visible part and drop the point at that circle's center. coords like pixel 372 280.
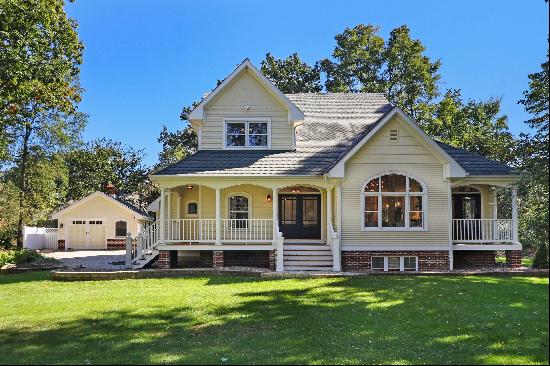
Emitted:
pixel 17 270
pixel 144 274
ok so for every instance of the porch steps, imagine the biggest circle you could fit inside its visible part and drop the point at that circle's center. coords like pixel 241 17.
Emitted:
pixel 145 259
pixel 307 257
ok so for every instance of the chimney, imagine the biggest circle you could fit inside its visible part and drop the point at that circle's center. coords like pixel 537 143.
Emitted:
pixel 110 189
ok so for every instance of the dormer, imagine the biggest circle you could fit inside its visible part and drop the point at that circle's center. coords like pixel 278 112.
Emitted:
pixel 246 111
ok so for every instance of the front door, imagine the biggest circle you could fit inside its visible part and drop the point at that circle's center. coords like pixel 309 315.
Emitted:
pixel 300 216
pixel 467 208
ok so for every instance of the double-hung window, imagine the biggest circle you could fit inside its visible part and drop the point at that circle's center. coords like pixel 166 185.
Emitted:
pixel 394 202
pixel 239 211
pixel 250 133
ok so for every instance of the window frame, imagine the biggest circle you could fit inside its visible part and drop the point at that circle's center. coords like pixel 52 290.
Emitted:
pixel 401 263
pixel 246 121
pixel 116 233
pixel 406 195
pixel 249 210
pixel 187 203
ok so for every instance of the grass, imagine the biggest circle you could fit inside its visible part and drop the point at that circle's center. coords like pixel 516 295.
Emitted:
pixel 525 261
pixel 377 319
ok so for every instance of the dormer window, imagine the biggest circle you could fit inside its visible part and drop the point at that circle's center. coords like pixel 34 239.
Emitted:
pixel 247 133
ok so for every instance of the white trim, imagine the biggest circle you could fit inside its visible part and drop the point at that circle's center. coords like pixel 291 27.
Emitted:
pixel 455 170
pixel 401 263
pixel 406 195
pixel 294 113
pixel 516 246
pixel 393 247
pixel 57 214
pixel 195 247
pixel 246 121
pixel 114 227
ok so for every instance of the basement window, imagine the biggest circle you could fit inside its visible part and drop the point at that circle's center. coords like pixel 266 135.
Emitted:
pixel 394 263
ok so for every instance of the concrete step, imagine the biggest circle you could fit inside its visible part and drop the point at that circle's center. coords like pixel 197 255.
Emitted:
pixel 308 268
pixel 307 257
pixel 307 252
pixel 306 247
pixel 307 263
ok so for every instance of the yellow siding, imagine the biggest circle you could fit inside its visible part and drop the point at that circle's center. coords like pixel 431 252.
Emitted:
pixel 245 90
pixel 100 207
pixel 408 156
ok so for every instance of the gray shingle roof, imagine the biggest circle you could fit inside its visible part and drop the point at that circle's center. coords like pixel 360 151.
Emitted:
pixel 132 207
pixel 476 164
pixel 333 124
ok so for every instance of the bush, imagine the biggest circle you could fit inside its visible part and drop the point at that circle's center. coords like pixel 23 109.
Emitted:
pixel 20 257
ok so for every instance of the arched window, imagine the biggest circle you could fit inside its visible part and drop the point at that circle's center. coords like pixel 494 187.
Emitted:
pixel 239 210
pixel 394 202
pixel 121 228
pixel 192 208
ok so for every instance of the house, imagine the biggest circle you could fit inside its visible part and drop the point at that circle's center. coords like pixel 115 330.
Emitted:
pixel 99 221
pixel 317 181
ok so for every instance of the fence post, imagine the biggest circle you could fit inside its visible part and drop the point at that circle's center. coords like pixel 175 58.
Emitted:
pixel 129 251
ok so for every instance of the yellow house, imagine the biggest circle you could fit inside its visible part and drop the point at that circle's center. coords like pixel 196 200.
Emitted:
pixel 98 221
pixel 323 181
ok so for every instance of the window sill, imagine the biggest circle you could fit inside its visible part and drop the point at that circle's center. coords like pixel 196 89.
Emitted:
pixel 394 229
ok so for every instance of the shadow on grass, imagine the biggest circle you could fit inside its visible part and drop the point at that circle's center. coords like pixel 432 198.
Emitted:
pixel 348 320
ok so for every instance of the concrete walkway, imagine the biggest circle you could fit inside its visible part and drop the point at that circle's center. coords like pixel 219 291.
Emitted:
pixel 90 259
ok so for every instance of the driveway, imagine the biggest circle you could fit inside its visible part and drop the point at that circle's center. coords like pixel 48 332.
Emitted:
pixel 90 259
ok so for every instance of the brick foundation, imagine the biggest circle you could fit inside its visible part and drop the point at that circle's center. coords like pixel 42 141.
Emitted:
pixel 60 244
pixel 474 259
pixel 513 258
pixel 116 244
pixel 247 258
pixel 166 259
pixel 434 260
pixel 272 259
pixel 217 259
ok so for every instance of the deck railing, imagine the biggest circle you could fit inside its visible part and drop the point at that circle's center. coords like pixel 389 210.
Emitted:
pixel 247 231
pixel 191 231
pixel 482 231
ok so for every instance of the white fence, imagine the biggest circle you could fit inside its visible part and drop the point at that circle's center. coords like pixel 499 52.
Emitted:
pixel 482 230
pixel 39 237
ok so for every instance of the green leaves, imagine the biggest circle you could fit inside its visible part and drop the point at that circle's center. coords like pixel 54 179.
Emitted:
pixel 292 75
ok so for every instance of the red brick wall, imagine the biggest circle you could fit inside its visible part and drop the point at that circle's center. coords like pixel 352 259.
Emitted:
pixel 116 244
pixel 272 259
pixel 247 258
pixel 434 260
pixel 474 259
pixel 60 244
pixel 217 259
pixel 513 258
pixel 165 259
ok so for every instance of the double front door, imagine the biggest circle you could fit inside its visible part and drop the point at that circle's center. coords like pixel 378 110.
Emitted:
pixel 300 216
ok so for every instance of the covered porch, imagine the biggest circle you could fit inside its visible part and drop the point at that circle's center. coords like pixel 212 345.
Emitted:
pixel 476 222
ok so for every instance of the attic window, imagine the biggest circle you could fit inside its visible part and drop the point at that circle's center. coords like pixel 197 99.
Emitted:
pixel 247 133
pixel 394 136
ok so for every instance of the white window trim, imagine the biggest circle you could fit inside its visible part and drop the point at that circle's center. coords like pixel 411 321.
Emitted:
pixel 401 262
pixel 406 194
pixel 246 120
pixel 187 208
pixel 244 194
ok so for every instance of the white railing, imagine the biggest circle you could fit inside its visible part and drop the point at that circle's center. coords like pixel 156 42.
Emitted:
pixel 145 241
pixel 482 231
pixel 191 230
pixel 247 231
pixel 334 241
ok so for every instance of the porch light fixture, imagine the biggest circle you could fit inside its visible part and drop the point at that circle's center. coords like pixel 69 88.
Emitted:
pixel 189 186
pixel 268 198
pixel 295 190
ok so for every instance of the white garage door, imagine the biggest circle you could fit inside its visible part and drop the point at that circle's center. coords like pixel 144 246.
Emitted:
pixel 87 234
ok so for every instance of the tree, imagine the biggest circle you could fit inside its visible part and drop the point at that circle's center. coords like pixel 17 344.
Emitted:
pixel 40 55
pixel 99 162
pixel 475 126
pixel 410 77
pixel 176 145
pixel 292 75
pixel 359 58
pixel 534 153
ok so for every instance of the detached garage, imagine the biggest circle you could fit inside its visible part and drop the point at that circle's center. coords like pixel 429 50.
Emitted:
pixel 98 221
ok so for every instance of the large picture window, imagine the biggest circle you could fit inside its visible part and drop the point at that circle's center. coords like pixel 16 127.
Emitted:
pixel 394 202
pixel 248 133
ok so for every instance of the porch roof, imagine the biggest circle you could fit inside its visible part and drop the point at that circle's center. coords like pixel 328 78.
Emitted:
pixel 333 124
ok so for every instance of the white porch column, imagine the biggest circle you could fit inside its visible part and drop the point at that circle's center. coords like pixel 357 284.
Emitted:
pixel 218 217
pixel 495 203
pixel 275 203
pixel 168 214
pixel 338 195
pixel 515 233
pixel 178 206
pixel 162 211
pixel 329 215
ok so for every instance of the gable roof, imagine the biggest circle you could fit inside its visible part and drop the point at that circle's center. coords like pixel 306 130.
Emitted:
pixel 117 200
pixel 334 124
pixel 294 113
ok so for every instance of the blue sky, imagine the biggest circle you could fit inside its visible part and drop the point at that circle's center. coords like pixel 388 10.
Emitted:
pixel 145 60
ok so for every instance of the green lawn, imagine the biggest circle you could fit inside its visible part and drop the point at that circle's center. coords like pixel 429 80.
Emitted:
pixel 377 319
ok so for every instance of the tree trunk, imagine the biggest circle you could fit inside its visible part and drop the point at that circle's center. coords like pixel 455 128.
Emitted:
pixel 23 183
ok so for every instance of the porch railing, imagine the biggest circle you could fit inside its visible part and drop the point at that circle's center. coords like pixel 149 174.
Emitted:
pixel 247 230
pixel 233 231
pixel 482 231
